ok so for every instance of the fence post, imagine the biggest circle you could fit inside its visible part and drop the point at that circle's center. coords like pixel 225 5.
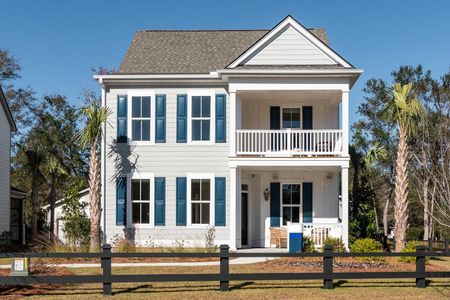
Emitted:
pixel 328 267
pixel 446 246
pixel 430 245
pixel 224 268
pixel 420 267
pixel 106 266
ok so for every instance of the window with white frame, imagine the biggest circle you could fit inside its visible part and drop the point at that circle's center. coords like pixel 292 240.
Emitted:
pixel 200 201
pixel 140 201
pixel 291 117
pixel 291 203
pixel 201 118
pixel 140 118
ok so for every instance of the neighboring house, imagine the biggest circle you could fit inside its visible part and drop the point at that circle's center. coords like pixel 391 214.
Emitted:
pixel 7 126
pixel 244 130
pixel 84 199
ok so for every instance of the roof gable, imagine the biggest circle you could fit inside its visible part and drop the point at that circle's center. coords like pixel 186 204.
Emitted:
pixel 289 43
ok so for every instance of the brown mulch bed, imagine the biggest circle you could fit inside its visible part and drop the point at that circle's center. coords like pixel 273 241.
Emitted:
pixel 8 292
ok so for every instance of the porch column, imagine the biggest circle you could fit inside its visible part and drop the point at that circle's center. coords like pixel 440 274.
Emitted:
pixel 345 122
pixel 233 124
pixel 344 196
pixel 232 242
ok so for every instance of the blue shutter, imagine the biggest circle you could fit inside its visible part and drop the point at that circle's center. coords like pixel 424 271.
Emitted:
pixel 275 204
pixel 181 201
pixel 121 119
pixel 121 203
pixel 307 202
pixel 181 118
pixel 160 119
pixel 160 201
pixel 307 117
pixel 221 119
pixel 275 117
pixel 220 191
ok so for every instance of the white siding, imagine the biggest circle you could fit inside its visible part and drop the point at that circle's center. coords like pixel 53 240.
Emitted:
pixel 5 152
pixel 290 48
pixel 169 160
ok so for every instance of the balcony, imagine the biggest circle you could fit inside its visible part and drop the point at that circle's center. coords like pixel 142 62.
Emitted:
pixel 289 142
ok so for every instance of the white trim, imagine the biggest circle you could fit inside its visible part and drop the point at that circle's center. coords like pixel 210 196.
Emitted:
pixel 306 84
pixel 137 175
pixel 345 121
pixel 344 197
pixel 141 93
pixel 289 21
pixel 211 177
pixel 289 162
pixel 103 167
pixel 233 206
pixel 212 132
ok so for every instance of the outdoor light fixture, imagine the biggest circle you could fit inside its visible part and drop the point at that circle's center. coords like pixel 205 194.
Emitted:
pixel 266 194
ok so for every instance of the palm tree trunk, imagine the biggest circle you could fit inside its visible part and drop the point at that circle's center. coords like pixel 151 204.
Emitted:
pixel 52 209
pixel 426 221
pixel 34 216
pixel 401 192
pixel 94 192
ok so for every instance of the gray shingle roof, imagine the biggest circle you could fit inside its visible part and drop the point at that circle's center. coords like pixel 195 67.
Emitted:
pixel 190 51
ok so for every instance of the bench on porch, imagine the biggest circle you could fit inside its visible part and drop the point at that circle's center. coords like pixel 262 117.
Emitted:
pixel 278 237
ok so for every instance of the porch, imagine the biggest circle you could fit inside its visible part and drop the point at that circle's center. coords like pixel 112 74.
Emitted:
pixel 269 198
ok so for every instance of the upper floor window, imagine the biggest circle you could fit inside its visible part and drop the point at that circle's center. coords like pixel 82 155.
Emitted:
pixel 140 118
pixel 291 117
pixel 140 201
pixel 200 201
pixel 201 118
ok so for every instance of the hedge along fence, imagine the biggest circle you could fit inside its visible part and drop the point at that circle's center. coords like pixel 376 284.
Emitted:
pixel 224 276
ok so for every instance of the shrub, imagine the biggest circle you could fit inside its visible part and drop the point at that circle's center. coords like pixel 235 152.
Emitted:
pixel 367 245
pixel 337 244
pixel 210 235
pixel 308 244
pixel 121 244
pixel 411 247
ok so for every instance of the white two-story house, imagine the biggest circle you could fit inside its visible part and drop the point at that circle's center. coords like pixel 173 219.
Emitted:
pixel 243 130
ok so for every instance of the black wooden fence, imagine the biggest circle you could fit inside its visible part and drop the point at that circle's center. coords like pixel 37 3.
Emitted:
pixel 224 276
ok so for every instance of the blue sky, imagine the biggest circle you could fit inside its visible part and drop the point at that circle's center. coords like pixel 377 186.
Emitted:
pixel 57 42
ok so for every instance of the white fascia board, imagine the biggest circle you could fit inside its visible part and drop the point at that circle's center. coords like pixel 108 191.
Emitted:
pixel 289 21
pixel 291 72
pixel 212 75
pixel 289 162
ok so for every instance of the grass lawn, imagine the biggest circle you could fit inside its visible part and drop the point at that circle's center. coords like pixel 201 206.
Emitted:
pixel 354 289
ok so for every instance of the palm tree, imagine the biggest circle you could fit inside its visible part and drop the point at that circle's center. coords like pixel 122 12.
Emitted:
pixel 56 174
pixel 404 110
pixel 375 154
pixel 91 135
pixel 35 158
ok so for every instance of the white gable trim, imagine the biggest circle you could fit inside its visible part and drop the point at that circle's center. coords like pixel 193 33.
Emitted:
pixel 289 21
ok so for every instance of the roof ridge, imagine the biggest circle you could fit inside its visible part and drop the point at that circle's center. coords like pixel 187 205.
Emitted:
pixel 210 30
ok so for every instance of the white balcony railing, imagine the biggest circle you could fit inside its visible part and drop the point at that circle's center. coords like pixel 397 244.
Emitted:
pixel 288 142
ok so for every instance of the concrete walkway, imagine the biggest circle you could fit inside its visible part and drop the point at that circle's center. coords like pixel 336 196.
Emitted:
pixel 235 261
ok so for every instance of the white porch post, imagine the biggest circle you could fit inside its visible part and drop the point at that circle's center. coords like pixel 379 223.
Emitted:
pixel 345 122
pixel 344 195
pixel 233 116
pixel 233 196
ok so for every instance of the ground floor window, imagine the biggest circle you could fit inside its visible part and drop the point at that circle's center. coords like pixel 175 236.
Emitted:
pixel 200 201
pixel 140 201
pixel 291 203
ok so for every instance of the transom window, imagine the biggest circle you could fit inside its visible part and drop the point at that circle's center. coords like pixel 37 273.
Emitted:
pixel 201 118
pixel 291 117
pixel 200 201
pixel 140 201
pixel 140 118
pixel 291 203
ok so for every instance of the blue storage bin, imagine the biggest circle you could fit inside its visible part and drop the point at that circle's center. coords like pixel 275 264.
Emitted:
pixel 295 242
